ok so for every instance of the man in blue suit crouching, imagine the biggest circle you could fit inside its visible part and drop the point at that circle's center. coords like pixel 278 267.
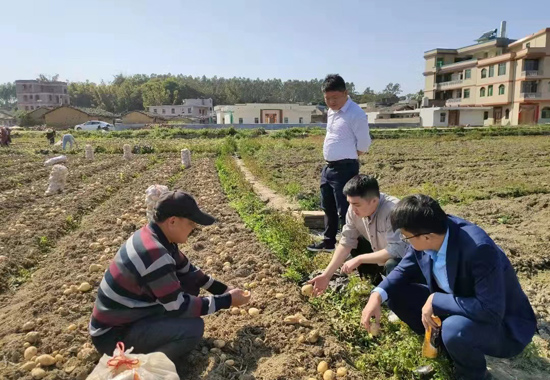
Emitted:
pixel 455 271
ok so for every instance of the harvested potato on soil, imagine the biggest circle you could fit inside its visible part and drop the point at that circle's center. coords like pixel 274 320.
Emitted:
pixel 85 287
pixel 254 312
pixel 30 352
pixel 322 367
pixel 28 366
pixel 235 311
pixel 374 329
pixel 230 363
pixel 46 360
pixel 38 373
pixel 328 375
pixel 219 343
pixel 341 372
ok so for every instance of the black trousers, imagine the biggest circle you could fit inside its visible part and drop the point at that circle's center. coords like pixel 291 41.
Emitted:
pixel 334 177
pixel 372 272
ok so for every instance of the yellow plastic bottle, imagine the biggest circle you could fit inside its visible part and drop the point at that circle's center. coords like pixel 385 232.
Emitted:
pixel 432 340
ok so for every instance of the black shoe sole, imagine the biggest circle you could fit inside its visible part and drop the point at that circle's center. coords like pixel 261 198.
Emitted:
pixel 320 249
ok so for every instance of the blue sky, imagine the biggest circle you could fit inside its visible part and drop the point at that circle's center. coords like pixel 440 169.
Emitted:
pixel 370 43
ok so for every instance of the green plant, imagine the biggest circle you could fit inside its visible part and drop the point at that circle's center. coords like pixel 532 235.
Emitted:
pixel 71 223
pixel 44 244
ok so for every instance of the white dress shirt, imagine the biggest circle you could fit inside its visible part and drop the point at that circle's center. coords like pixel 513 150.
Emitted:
pixel 347 133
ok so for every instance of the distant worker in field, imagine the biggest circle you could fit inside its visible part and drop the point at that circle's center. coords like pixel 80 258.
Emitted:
pixel 347 137
pixel 5 138
pixel 148 298
pixel 50 135
pixel 368 236
pixel 69 139
pixel 453 270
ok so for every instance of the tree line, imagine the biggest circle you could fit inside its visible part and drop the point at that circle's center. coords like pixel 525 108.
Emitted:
pixel 136 92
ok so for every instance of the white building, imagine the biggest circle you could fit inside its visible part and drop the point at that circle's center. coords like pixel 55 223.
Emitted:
pixel 454 116
pixel 266 113
pixel 33 94
pixel 199 109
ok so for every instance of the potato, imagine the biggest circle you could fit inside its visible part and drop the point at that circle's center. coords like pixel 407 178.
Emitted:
pixel 58 358
pixel 279 296
pixel 322 367
pixel 95 268
pixel 254 312
pixel 28 326
pixel 235 311
pixel 328 375
pixel 253 284
pixel 26 345
pixel 313 336
pixel 243 312
pixel 32 337
pixel 374 328
pixel 301 339
pixel 227 264
pixel 85 287
pixel 30 352
pixel 341 372
pixel 209 262
pixel 230 244
pixel 38 373
pixel 291 320
pixel 45 360
pixel 307 290
pixel 219 343
pixel 246 293
pixel 72 327
pixel 230 363
pixel 28 366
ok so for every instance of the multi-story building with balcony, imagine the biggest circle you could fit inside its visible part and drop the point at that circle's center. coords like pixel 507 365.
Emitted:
pixel 34 94
pixel 510 79
pixel 200 110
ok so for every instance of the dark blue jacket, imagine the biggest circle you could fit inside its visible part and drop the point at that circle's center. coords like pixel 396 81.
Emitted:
pixel 484 284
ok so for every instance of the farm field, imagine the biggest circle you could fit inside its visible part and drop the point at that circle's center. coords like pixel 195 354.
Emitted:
pixel 46 244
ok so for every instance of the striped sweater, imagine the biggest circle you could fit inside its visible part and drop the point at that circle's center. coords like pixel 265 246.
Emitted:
pixel 151 276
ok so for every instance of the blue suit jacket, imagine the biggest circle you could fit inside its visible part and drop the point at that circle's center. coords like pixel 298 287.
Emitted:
pixel 484 284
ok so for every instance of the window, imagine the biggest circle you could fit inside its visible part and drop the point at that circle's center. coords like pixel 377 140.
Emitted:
pixel 529 87
pixel 482 92
pixel 439 61
pixel 466 93
pixel 240 120
pixel 57 98
pixel 210 108
pixel 24 87
pixel 531 65
pixel 545 113
pixel 301 120
pixel 442 116
pixel 485 55
pixel 32 107
pixel 501 89
pixel 30 97
pixel 163 110
pixel 467 73
pixel 507 113
pixel 173 110
pixel 26 108
pixel 50 98
pixel 25 98
pixel 502 69
pixel 490 90
pixel 256 120
pixel 285 120
pixel 155 110
pixel 189 110
pixel 65 91
pixel 491 71
pixel 485 115
pixel 484 73
pixel 528 45
pixel 37 97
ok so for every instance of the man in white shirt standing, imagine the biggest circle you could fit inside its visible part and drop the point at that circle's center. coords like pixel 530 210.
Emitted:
pixel 347 137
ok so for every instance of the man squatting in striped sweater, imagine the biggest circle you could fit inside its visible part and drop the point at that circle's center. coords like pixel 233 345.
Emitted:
pixel 148 298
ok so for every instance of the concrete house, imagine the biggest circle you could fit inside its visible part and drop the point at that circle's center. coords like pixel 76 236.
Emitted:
pixel 68 116
pixel 199 110
pixel 265 113
pixel 510 79
pixel 33 94
pixel 7 119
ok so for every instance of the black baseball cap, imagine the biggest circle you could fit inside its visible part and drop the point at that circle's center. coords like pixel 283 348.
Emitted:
pixel 181 204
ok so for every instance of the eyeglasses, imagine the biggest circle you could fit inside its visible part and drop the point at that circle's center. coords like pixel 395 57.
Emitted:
pixel 406 239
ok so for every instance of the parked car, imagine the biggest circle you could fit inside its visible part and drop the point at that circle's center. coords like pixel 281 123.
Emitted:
pixel 94 125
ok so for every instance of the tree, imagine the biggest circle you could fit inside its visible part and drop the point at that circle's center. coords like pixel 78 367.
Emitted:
pixel 47 78
pixel 7 95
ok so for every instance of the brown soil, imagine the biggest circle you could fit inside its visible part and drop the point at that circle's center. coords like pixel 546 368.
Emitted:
pixel 263 347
